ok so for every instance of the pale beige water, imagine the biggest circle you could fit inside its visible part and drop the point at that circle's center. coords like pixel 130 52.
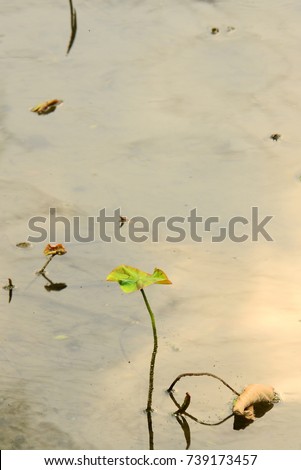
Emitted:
pixel 159 116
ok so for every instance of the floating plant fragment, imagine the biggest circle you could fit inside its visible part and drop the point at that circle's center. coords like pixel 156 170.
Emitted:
pixel 23 245
pixel 251 395
pixel 122 220
pixel 10 287
pixel 254 401
pixel 51 251
pixel 47 107
pixel 131 279
pixel 73 26
pixel 57 249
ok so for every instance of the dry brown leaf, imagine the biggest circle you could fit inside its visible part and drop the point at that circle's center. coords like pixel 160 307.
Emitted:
pixel 57 249
pixel 254 393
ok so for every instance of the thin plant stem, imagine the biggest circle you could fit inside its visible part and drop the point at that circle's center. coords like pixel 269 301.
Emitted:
pixel 198 374
pixel 154 353
pixel 46 264
pixel 150 430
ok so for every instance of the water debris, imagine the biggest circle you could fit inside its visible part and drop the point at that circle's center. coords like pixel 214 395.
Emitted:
pixel 10 287
pixel 73 26
pixel 57 249
pixel 214 31
pixel 251 395
pixel 46 107
pixel 23 245
pixel 51 251
pixel 122 220
pixel 275 136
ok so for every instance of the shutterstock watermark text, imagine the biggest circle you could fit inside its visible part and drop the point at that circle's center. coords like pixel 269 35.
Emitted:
pixel 115 227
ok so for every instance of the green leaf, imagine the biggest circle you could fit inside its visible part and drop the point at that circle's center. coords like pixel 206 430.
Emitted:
pixel 131 279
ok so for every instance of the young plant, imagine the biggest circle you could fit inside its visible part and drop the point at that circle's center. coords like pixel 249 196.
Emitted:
pixel 51 251
pixel 130 280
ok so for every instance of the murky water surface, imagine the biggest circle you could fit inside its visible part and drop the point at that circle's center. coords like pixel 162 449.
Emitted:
pixel 160 116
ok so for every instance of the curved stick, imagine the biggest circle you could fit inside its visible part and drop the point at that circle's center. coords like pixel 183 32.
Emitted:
pixel 196 419
pixel 198 374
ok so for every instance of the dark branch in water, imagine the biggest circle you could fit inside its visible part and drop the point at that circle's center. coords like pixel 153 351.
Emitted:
pixel 198 374
pixel 73 26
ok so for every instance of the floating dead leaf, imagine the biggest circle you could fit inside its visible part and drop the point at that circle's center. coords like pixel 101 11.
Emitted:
pixel 57 249
pixel 47 107
pixel 23 245
pixel 251 395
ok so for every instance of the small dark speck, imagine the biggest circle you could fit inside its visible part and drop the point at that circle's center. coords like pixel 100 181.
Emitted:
pixel 275 136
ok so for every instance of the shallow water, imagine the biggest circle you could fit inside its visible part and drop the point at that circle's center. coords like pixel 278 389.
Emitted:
pixel 159 117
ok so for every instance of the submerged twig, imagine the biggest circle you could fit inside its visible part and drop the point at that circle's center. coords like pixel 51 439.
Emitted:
pixel 199 374
pixel 73 26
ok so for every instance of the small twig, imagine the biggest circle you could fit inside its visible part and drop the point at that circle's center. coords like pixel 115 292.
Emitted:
pixel 199 374
pixel 41 271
